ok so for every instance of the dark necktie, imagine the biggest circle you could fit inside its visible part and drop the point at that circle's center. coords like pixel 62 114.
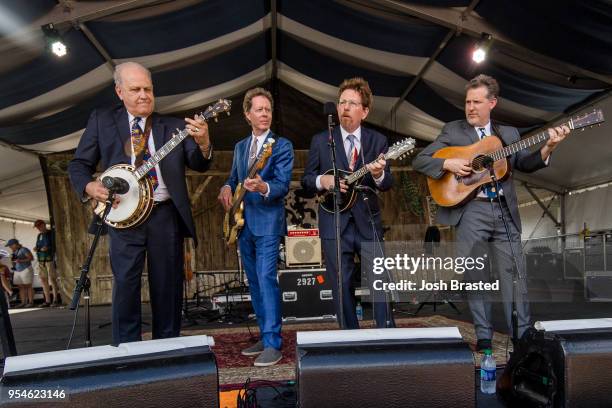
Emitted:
pixel 488 190
pixel 141 149
pixel 253 151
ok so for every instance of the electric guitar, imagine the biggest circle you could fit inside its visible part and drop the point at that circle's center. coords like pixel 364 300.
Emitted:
pixel 452 190
pixel 398 151
pixel 234 217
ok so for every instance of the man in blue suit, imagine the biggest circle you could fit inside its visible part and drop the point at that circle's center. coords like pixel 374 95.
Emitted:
pixel 355 146
pixel 264 215
pixel 126 134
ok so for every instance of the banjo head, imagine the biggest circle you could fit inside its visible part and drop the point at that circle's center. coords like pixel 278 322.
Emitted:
pixel 130 202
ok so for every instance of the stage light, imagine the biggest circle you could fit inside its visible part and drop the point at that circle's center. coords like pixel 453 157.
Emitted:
pixel 54 40
pixel 482 47
pixel 479 55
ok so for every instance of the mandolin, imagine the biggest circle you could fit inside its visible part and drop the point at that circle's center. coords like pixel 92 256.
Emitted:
pixel 398 151
pixel 451 190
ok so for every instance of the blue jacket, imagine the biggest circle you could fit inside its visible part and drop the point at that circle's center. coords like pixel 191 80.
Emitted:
pixel 265 215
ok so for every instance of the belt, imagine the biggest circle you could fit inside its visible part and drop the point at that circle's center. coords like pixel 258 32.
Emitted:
pixel 160 203
pixel 487 200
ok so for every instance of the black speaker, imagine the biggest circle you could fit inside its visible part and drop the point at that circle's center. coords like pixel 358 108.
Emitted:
pixel 429 367
pixel 565 364
pixel 166 373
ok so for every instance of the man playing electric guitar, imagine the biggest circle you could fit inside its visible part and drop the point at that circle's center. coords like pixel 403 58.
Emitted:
pixel 264 215
pixel 478 220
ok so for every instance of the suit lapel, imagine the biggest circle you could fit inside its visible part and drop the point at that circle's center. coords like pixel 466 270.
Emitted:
pixel 123 133
pixel 364 152
pixel 159 132
pixel 470 132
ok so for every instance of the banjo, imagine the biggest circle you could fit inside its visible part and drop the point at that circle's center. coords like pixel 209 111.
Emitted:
pixel 137 193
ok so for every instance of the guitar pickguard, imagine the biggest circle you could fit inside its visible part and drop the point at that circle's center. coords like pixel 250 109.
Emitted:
pixel 473 178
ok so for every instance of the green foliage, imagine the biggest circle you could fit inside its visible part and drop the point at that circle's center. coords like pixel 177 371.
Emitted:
pixel 411 195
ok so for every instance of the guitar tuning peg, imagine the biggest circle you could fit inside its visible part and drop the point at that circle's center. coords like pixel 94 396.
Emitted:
pixel 178 130
pixel 216 119
pixel 228 113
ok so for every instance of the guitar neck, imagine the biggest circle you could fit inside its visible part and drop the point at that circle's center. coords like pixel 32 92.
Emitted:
pixel 243 191
pixel 524 144
pixel 160 154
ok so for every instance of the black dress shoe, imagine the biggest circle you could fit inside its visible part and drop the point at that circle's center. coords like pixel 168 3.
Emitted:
pixel 483 344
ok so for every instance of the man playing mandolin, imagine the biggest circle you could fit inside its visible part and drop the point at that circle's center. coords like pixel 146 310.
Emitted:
pixel 264 217
pixel 478 218
pixel 356 146
pixel 131 133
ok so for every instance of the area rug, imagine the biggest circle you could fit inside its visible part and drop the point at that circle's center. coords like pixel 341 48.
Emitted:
pixel 234 368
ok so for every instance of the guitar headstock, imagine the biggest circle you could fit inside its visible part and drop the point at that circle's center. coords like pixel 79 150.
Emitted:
pixel 266 151
pixel 213 111
pixel 588 119
pixel 400 149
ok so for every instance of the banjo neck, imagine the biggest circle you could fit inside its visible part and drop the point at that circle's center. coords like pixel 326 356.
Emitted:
pixel 145 167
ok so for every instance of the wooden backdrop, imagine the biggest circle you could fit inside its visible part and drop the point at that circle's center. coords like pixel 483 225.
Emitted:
pixel 405 215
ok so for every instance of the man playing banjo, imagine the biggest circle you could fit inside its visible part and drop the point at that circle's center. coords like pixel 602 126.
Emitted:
pixel 130 133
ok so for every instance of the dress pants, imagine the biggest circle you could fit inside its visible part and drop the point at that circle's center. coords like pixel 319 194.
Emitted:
pixel 351 244
pixel 160 239
pixel 481 230
pixel 260 260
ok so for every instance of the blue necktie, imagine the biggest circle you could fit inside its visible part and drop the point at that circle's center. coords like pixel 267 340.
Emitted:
pixel 487 188
pixel 141 150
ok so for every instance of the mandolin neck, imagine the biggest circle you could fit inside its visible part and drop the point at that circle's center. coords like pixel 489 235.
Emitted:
pixel 361 172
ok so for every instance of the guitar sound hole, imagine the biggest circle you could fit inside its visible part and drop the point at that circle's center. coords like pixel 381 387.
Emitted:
pixel 477 163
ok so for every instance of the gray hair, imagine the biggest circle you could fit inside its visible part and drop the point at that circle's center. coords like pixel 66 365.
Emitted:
pixel 119 69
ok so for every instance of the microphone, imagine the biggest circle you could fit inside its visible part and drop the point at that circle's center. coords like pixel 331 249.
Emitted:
pixel 116 185
pixel 329 108
pixel 364 188
pixel 487 162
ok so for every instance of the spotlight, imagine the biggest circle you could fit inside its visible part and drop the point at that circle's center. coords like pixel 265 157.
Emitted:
pixel 482 47
pixel 54 40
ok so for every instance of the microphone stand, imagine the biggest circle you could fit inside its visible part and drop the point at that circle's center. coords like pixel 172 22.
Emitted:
pixel 332 146
pixel 389 322
pixel 84 284
pixel 516 274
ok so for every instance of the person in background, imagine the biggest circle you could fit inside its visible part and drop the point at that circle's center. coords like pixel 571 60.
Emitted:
pixel 45 250
pixel 24 273
pixel 5 276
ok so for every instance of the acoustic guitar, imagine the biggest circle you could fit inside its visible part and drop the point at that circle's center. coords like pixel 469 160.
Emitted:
pixel 452 190
pixel 234 217
pixel 398 151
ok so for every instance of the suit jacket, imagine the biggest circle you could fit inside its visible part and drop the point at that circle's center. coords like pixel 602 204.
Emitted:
pixel 461 133
pixel 319 161
pixel 107 141
pixel 265 215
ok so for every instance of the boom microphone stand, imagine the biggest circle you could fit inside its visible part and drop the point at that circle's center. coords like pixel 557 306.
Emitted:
pixel 330 109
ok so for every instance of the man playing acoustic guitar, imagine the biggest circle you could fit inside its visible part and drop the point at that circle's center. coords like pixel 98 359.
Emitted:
pixel 478 220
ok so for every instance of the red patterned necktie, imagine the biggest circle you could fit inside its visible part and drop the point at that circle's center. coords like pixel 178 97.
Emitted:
pixel 353 154
pixel 141 150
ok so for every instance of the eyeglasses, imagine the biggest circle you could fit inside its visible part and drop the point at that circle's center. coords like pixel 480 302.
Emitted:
pixel 351 104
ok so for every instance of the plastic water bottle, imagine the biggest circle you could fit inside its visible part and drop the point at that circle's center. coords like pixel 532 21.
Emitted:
pixel 487 373
pixel 359 311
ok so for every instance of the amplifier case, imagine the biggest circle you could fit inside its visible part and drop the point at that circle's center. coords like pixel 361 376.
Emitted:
pixel 305 295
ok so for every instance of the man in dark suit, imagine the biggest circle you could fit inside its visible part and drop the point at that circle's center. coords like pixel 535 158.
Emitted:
pixel 479 220
pixel 127 134
pixel 355 146
pixel 264 216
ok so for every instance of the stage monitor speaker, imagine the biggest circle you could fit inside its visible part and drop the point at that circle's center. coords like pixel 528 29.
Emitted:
pixel 564 363
pixel 303 247
pixel 167 373
pixel 429 367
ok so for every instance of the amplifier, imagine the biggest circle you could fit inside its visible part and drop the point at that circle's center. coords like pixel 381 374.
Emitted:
pixel 305 294
pixel 564 363
pixel 303 247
